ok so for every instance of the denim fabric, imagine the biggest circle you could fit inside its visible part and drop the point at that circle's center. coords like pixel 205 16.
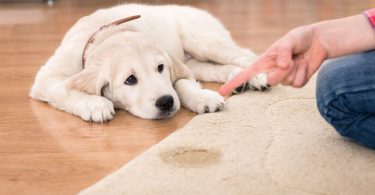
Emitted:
pixel 345 94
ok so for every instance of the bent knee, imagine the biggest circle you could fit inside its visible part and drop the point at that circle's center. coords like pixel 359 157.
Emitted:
pixel 332 101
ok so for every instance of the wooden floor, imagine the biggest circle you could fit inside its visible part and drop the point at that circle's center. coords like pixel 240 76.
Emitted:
pixel 46 151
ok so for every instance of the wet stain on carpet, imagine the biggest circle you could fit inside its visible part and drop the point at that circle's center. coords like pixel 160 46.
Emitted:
pixel 190 157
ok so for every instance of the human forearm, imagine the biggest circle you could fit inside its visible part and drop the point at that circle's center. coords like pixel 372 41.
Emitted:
pixel 296 56
pixel 345 36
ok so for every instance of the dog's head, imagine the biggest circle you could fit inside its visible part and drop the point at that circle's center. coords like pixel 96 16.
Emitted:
pixel 134 73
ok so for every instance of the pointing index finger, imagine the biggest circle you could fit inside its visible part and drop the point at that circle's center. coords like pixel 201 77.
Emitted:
pixel 242 77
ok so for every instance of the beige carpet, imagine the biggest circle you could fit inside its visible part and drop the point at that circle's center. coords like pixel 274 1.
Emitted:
pixel 262 143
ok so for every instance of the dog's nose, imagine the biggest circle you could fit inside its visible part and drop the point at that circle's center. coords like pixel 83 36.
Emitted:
pixel 165 103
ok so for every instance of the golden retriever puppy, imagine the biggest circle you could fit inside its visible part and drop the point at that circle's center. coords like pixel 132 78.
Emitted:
pixel 147 66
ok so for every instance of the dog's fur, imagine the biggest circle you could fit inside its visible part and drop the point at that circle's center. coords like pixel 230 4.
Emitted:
pixel 190 44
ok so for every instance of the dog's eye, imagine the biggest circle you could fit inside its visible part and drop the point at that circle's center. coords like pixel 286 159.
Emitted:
pixel 160 68
pixel 131 80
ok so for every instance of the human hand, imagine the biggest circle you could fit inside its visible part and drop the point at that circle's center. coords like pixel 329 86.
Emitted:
pixel 294 58
pixel 291 60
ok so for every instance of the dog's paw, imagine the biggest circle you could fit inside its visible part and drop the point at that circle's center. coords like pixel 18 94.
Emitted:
pixel 94 108
pixel 258 82
pixel 206 101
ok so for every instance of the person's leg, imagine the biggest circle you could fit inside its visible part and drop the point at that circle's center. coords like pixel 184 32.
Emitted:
pixel 345 93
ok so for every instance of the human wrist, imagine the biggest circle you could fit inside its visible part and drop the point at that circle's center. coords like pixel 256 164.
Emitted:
pixel 322 37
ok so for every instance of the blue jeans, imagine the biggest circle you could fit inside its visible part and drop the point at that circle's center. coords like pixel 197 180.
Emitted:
pixel 345 94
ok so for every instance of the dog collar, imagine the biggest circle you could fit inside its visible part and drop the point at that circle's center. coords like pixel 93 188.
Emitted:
pixel 92 37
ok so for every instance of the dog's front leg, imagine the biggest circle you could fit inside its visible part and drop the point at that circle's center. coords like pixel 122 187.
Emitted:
pixel 53 90
pixel 89 107
pixel 196 99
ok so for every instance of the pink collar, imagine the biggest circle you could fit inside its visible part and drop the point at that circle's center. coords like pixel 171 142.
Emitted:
pixel 92 37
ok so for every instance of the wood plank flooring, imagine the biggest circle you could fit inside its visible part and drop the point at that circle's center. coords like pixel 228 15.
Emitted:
pixel 46 151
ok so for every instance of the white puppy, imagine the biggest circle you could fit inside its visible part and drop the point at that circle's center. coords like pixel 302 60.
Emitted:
pixel 147 66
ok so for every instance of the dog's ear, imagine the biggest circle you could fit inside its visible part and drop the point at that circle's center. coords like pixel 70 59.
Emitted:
pixel 179 70
pixel 88 80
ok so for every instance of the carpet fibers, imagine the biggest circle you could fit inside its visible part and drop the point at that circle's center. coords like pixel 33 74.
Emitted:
pixel 262 143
